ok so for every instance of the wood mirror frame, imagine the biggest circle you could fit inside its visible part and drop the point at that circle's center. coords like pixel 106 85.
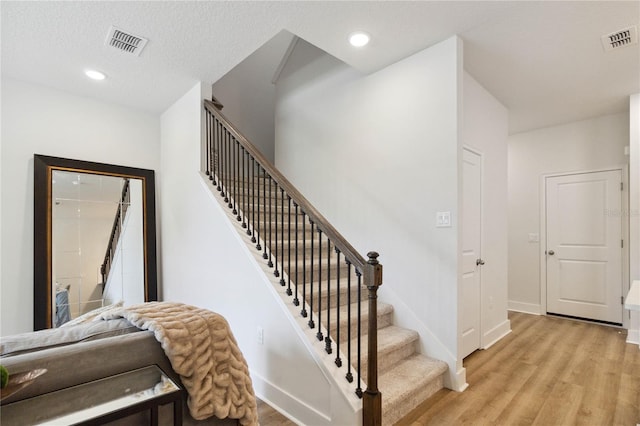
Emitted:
pixel 43 168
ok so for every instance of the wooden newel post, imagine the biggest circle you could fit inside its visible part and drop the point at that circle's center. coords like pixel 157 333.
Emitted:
pixel 372 398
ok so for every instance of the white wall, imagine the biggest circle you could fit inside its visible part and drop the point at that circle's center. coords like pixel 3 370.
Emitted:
pixel 634 206
pixel 128 264
pixel 78 245
pixel 38 120
pixel 634 185
pixel 206 263
pixel 485 124
pixel 378 156
pixel 579 146
pixel 248 98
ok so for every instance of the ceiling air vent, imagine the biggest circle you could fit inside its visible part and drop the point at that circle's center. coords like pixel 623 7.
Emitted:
pixel 125 41
pixel 620 38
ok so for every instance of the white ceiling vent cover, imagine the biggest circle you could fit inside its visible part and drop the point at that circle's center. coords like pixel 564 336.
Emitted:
pixel 125 41
pixel 622 38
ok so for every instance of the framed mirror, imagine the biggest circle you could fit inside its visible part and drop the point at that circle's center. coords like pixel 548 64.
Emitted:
pixel 94 238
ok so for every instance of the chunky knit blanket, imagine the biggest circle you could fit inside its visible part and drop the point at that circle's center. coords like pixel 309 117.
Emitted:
pixel 203 351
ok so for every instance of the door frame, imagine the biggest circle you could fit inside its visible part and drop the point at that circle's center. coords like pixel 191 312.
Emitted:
pixel 624 232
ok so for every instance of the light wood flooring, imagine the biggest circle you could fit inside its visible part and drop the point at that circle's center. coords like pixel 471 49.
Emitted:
pixel 548 371
pixel 267 416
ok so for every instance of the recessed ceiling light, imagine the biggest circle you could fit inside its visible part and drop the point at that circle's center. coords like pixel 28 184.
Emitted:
pixel 95 75
pixel 359 39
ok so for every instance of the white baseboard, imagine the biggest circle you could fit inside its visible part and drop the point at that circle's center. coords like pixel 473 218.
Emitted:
pixel 633 336
pixel 527 308
pixel 495 334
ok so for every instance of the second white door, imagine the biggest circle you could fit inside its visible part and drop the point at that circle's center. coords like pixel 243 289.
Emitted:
pixel 584 239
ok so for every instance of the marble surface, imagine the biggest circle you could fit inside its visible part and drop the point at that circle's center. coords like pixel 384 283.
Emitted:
pixel 632 302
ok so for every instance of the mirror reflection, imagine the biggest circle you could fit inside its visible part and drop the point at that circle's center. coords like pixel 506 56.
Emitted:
pixel 97 245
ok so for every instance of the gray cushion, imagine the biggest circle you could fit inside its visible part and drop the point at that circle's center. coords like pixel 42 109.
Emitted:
pixel 44 339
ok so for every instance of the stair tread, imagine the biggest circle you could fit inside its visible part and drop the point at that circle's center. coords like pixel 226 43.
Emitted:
pixel 383 309
pixel 414 372
pixel 389 338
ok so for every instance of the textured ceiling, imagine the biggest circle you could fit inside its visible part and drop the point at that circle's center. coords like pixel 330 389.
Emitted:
pixel 543 59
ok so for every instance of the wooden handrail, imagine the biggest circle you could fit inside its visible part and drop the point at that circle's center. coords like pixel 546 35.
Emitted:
pixel 343 245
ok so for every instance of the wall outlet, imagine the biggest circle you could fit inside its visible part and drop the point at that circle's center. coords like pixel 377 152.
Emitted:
pixel 534 238
pixel 260 335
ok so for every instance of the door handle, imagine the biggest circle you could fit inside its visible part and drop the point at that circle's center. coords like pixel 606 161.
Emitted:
pixel 551 252
pixel 479 262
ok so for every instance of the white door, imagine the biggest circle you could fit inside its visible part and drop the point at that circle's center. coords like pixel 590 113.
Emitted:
pixel 584 245
pixel 471 261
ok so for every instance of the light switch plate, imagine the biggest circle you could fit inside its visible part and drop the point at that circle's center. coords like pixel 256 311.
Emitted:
pixel 443 219
pixel 534 238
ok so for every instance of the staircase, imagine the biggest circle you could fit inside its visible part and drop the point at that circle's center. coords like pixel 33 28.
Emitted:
pixel 323 278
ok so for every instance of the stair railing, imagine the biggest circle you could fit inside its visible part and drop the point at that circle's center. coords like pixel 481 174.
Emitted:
pixel 281 223
pixel 116 230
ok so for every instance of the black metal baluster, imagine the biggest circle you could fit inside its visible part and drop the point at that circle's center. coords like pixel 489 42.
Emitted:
pixel 218 157
pixel 359 389
pixel 263 179
pixel 247 193
pixel 270 240
pixel 258 247
pixel 282 282
pixel 327 340
pixel 232 180
pixel 338 360
pixel 214 148
pixel 319 333
pixel 296 302
pixel 289 292
pixel 349 376
pixel 227 198
pixel 311 323
pixel 303 312
pixel 207 147
pixel 276 273
pixel 243 193
pixel 224 193
pixel 236 187
pixel 253 200
pixel 212 151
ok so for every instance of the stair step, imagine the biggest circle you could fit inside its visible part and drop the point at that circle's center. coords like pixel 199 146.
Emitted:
pixel 284 226
pixel 408 384
pixel 385 313
pixel 304 274
pixel 333 293
pixel 394 344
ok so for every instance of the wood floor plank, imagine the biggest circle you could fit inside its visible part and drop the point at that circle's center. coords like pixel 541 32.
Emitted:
pixel 548 371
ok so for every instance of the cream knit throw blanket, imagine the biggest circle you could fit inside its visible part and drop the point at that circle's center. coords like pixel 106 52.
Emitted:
pixel 203 351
